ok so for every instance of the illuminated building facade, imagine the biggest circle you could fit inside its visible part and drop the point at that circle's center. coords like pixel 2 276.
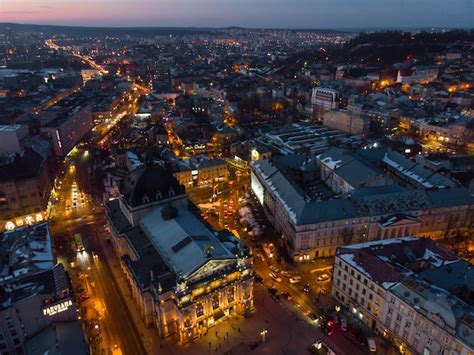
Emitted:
pixel 315 216
pixel 184 277
pixel 36 292
pixel 413 291
pixel 25 185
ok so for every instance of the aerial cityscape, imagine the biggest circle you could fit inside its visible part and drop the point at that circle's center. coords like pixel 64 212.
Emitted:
pixel 266 177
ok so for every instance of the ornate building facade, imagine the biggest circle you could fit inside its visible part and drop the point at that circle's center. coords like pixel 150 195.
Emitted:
pixel 184 276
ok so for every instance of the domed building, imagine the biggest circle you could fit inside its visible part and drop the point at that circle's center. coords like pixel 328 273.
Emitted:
pixel 184 276
pixel 149 184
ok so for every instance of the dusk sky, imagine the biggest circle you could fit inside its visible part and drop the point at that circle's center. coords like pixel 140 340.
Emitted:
pixel 247 13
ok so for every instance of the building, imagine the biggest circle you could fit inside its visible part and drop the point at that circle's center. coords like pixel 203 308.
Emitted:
pixel 412 291
pixel 346 121
pixel 26 181
pixel 300 138
pixel 200 170
pixel 36 292
pixel 314 216
pixel 422 74
pixel 325 99
pixel 13 138
pixel 184 276
pixel 67 124
pixel 343 171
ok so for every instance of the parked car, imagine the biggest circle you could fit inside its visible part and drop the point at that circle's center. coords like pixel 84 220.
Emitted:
pixel 285 273
pixel 286 295
pixel 272 290
pixel 326 330
pixel 258 278
pixel 323 277
pixel 344 324
pixel 312 316
pixel 372 345
pixel 274 268
pixel 295 279
pixel 307 288
pixel 275 277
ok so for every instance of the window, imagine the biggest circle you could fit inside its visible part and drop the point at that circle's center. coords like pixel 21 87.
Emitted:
pixel 215 302
pixel 429 342
pixel 364 291
pixel 390 310
pixel 399 318
pixel 199 309
pixel 407 324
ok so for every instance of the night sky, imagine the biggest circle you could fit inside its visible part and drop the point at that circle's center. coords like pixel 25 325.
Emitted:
pixel 246 13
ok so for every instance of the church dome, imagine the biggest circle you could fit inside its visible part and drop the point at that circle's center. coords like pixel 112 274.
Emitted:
pixel 149 183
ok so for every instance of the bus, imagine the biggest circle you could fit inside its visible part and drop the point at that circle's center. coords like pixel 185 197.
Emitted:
pixel 79 244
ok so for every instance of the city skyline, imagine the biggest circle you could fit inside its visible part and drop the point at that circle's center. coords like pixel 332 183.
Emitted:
pixel 337 14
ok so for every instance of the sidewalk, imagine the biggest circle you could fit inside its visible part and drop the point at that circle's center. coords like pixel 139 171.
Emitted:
pixel 150 337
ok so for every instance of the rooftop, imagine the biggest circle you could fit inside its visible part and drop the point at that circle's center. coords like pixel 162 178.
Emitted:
pixel 24 252
pixel 431 279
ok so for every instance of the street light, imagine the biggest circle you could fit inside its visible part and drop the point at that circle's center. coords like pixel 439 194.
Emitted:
pixel 263 333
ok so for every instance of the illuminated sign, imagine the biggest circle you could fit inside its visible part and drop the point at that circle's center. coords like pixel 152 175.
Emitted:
pixel 257 188
pixel 57 308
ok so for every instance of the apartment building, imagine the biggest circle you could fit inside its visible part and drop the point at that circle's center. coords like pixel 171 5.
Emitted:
pixel 411 290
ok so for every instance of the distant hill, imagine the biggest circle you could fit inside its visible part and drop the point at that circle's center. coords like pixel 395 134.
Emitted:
pixel 82 30
pixel 132 31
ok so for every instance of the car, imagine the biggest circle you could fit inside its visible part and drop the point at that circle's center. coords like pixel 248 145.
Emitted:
pixel 295 279
pixel 372 345
pixel 80 289
pixel 286 295
pixel 307 288
pixel 226 225
pixel 275 277
pixel 344 324
pixel 285 273
pixel 327 330
pixel 319 347
pixel 312 316
pixel 83 297
pixel 272 290
pixel 258 278
pixel 323 277
pixel 274 268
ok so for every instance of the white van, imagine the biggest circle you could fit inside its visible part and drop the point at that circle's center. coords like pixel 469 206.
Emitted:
pixel 372 345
